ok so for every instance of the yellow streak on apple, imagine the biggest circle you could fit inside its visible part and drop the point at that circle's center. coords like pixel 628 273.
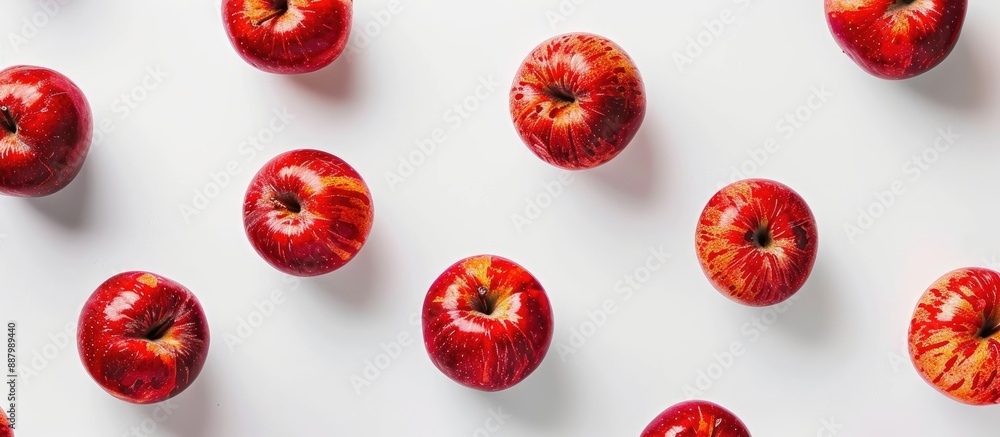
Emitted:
pixel 478 268
pixel 148 280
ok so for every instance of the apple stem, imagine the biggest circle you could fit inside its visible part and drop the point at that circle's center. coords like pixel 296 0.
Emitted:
pixel 484 303
pixel 7 121
pixel 159 330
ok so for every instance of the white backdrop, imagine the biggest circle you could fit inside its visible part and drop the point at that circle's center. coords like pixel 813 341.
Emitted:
pixel 177 107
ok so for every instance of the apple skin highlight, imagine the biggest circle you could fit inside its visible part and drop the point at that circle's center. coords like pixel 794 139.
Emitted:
pixel 487 323
pixel 896 39
pixel 577 101
pixel 307 212
pixel 696 419
pixel 46 128
pixel 288 36
pixel 142 337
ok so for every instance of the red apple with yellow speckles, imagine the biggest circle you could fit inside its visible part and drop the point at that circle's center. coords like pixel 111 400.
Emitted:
pixel 756 241
pixel 696 419
pixel 143 337
pixel 487 323
pixel 307 212
pixel 896 39
pixel 288 36
pixel 577 101
pixel 954 337
pixel 45 131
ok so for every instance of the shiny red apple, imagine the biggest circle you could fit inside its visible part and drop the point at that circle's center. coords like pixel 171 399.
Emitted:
pixel 896 39
pixel 307 212
pixel 696 419
pixel 45 131
pixel 288 36
pixel 954 337
pixel 756 241
pixel 577 101
pixel 487 323
pixel 143 337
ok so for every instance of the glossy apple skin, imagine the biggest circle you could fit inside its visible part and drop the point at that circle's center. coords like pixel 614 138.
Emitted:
pixel 577 101
pixel 892 40
pixel 334 217
pixel 307 36
pixel 45 131
pixel 727 241
pixel 954 339
pixel 696 419
pixel 489 341
pixel 118 344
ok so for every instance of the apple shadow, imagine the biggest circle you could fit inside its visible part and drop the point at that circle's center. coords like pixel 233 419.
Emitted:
pixel 960 82
pixel 356 283
pixel 633 172
pixel 335 81
pixel 971 417
pixel 194 406
pixel 193 416
pixel 70 207
pixel 541 400
pixel 811 314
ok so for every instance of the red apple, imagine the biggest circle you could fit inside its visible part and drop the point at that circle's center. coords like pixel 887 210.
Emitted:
pixel 307 212
pixel 487 323
pixel 5 430
pixel 288 36
pixel 143 337
pixel 45 131
pixel 696 419
pixel 954 336
pixel 756 241
pixel 896 39
pixel 577 101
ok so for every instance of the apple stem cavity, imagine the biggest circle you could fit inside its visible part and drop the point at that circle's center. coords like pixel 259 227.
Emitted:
pixel 989 330
pixel 7 120
pixel 560 94
pixel 485 306
pixel 761 238
pixel 279 9
pixel 159 330
pixel 288 202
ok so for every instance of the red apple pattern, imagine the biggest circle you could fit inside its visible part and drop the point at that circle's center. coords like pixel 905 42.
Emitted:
pixel 696 419
pixel 307 212
pixel 756 241
pixel 954 337
pixel 487 323
pixel 288 36
pixel 577 101
pixel 45 131
pixel 896 39
pixel 143 337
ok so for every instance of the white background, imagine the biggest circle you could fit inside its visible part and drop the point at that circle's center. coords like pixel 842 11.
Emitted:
pixel 836 355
